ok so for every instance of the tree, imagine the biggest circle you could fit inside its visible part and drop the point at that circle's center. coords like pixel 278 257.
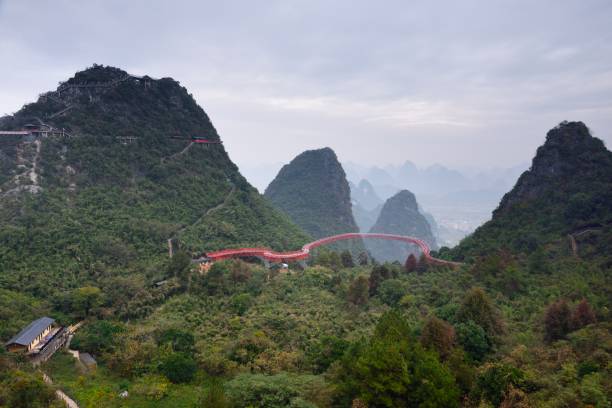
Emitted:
pixel 439 336
pixel 241 303
pixel 378 274
pixel 274 391
pixel 347 259
pixel 393 370
pixel 538 262
pixel 181 341
pixel 391 291
pixel 240 271
pixel 362 258
pixel 495 381
pixel 330 259
pixel 411 264
pixel 358 292
pixel 479 308
pixel 86 298
pixel 422 265
pixel 325 351
pixel 99 336
pixel 515 398
pixel 215 280
pixel 474 340
pixel 583 315
pixel 27 391
pixel 557 321
pixel 179 266
pixel 178 367
pixel 153 387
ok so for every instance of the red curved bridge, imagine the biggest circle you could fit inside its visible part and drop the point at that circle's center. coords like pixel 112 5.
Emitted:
pixel 293 256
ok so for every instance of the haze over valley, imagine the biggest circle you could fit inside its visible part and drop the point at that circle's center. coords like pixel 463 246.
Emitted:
pixel 305 204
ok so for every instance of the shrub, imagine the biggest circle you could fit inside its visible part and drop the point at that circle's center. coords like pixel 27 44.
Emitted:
pixel 557 321
pixel 479 308
pixel 151 386
pixel 181 341
pixel 391 291
pixel 178 367
pixel 358 292
pixel 325 351
pixel 495 381
pixel 592 391
pixel 241 303
pixel 27 391
pixel 215 396
pixel 392 369
pixel 378 274
pixel 271 391
pixel 96 337
pixel 473 339
pixel 347 259
pixel 583 315
pixel 179 266
pixel 438 335
pixel 411 264
pixel 85 299
pixel 215 281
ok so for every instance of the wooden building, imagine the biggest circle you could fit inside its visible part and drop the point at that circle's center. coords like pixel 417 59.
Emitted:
pixel 28 338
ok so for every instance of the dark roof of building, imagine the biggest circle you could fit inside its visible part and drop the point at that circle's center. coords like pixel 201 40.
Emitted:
pixel 27 335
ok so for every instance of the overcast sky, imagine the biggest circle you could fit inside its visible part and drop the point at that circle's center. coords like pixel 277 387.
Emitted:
pixel 463 83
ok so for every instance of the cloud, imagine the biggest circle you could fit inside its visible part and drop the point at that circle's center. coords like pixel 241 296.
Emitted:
pixel 472 82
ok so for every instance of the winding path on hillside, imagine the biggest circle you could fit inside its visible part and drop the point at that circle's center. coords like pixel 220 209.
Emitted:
pixel 293 256
pixel 206 214
pixel 69 402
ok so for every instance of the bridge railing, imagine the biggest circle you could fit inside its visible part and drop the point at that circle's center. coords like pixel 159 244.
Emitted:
pixel 270 255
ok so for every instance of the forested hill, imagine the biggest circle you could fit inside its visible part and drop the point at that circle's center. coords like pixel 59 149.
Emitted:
pixel 400 215
pixel 314 192
pixel 123 178
pixel 567 193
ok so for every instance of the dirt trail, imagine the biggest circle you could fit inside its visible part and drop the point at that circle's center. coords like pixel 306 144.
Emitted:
pixel 206 214
pixel 70 403
pixel 33 174
pixel 164 159
pixel 574 243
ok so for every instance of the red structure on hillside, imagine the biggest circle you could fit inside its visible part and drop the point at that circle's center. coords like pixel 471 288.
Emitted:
pixel 293 256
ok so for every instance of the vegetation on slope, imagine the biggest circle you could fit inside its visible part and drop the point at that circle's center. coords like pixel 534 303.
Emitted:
pixel 314 192
pixel 320 337
pixel 107 208
pixel 512 328
pixel 567 190
pixel 400 215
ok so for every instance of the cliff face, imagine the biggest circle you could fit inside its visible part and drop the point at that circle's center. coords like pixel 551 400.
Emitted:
pixel 313 191
pixel 119 174
pixel 567 188
pixel 400 215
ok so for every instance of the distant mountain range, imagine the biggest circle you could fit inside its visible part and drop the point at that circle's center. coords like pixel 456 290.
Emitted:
pixel 459 201
pixel 432 180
